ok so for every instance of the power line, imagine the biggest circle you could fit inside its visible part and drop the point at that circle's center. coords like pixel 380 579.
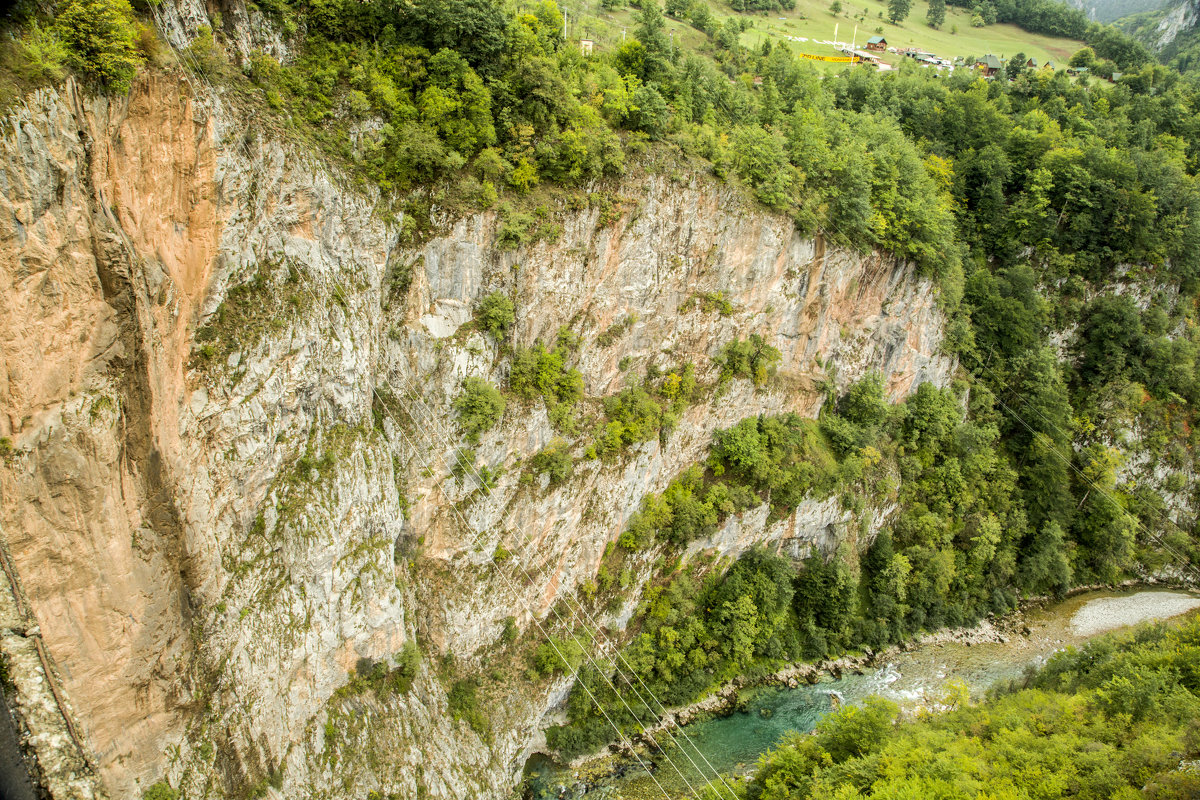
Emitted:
pixel 550 640
pixel 580 611
pixel 568 598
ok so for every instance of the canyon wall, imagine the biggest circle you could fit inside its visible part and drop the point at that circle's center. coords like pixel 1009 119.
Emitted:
pixel 226 406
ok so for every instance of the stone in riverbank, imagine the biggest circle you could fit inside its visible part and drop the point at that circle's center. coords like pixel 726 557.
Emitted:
pixel 1109 613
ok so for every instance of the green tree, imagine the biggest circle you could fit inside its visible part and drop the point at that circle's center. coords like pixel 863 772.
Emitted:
pixel 740 619
pixel 496 314
pixel 476 29
pixel 457 104
pixel 44 54
pixel 479 407
pixel 982 175
pixel 160 791
pixel 418 153
pixel 1007 309
pixel 462 701
pixel 1103 528
pixel 1110 339
pixel 897 10
pixel 752 359
pixel 1110 719
pixel 865 402
pixel 630 58
pixel 936 15
pixel 558 655
pixel 677 8
pixel 1084 57
pixel 760 158
pixel 835 7
pixel 100 36
pixel 538 372
pixel 648 112
pixel 769 102
pixel 651 32
pixel 541 95
pixel 554 460
pixel 1045 567
pixel 408 663
pixel 701 17
pixel 1015 66
pixel 854 731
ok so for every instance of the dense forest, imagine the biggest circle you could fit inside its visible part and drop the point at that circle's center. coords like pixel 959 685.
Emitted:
pixel 1060 219
pixel 473 100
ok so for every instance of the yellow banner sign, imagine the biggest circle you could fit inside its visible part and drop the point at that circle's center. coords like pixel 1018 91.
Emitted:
pixel 838 59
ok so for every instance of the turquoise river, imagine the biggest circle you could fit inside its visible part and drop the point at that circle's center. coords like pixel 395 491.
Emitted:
pixel 733 743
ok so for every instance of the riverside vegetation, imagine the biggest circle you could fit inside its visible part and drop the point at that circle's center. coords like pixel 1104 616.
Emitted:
pixel 1060 220
pixel 1116 718
pixel 969 539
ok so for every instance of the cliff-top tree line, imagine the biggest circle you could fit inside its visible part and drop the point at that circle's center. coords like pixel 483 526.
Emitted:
pixel 493 100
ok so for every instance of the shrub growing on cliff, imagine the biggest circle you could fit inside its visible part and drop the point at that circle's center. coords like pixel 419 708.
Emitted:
pixel 538 372
pixel 376 676
pixel 554 460
pixel 160 791
pixel 408 662
pixel 495 314
pixel 479 407
pixel 463 702
pixel 634 416
pixel 205 55
pixel 615 331
pixel 44 55
pixel 752 359
pixel 101 40
pixel 557 655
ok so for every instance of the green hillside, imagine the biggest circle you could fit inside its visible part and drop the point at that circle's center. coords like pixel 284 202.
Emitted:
pixel 813 20
pixel 1182 53
pixel 1112 10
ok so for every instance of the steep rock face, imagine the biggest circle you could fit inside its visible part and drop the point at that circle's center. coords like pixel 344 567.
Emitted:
pixel 230 477
pixel 1178 20
pixel 88 505
pixel 829 313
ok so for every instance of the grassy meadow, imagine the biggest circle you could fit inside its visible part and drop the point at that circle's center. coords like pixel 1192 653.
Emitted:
pixel 812 20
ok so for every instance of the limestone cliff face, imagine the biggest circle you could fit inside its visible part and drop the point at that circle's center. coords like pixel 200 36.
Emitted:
pixel 231 438
pixel 1180 19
